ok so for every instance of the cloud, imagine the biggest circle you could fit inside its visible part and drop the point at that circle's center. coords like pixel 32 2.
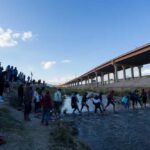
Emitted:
pixel 66 61
pixel 26 35
pixel 10 38
pixel 61 80
pixel 48 64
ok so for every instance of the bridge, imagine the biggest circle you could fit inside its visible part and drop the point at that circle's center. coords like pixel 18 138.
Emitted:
pixel 135 58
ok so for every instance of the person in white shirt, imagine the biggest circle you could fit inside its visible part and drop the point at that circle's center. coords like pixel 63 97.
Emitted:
pixel 36 99
pixel 96 102
pixel 57 102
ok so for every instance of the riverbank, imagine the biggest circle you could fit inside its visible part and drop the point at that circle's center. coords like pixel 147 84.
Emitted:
pixel 127 129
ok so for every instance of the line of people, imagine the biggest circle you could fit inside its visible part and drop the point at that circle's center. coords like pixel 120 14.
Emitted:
pixel 97 101
pixel 132 98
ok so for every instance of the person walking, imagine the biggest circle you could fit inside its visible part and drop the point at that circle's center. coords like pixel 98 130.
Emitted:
pixel 137 98
pixel 110 100
pixel 74 103
pixel 96 102
pixel 101 100
pixel 84 102
pixel 144 97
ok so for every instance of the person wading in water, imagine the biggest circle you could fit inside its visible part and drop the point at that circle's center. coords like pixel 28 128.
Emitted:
pixel 84 100
pixel 110 100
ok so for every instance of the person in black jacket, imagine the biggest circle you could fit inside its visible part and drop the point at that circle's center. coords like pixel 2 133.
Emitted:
pixel 74 102
pixel 84 100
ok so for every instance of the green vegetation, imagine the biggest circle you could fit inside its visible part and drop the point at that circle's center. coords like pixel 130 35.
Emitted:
pixel 14 130
pixel 8 123
pixel 118 92
pixel 64 137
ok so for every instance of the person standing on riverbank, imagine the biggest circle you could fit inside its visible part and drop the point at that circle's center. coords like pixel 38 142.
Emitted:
pixel 47 106
pixel 83 103
pixel 57 103
pixel 110 100
pixel 27 101
pixel 20 94
pixel 2 85
pixel 36 100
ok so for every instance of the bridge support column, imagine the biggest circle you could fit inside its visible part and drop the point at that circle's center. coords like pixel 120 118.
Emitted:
pixel 115 73
pixel 96 79
pixel 140 71
pixel 108 78
pixel 102 78
pixel 88 80
pixel 124 72
pixel 81 81
pixel 132 72
pixel 85 82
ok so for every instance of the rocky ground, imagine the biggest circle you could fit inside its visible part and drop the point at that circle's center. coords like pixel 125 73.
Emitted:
pixel 125 129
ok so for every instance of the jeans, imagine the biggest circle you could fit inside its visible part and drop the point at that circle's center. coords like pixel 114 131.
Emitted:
pixel 45 115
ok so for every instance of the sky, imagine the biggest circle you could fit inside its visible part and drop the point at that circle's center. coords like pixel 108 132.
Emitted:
pixel 59 40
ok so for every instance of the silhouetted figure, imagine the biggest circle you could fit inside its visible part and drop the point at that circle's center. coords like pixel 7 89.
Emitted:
pixel 84 102
pixel 144 97
pixel 27 101
pixel 2 85
pixel 74 101
pixel 110 100
pixel 20 94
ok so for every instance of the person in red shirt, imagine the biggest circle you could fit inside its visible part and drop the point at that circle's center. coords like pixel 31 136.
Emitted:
pixel 110 100
pixel 47 106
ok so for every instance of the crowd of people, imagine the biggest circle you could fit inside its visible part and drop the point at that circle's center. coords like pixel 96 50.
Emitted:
pixel 38 97
pixel 8 76
pixel 35 95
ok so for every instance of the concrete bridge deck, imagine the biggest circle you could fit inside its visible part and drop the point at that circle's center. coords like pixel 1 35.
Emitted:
pixel 135 58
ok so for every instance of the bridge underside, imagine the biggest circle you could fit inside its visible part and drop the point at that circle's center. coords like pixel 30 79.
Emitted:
pixel 136 58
